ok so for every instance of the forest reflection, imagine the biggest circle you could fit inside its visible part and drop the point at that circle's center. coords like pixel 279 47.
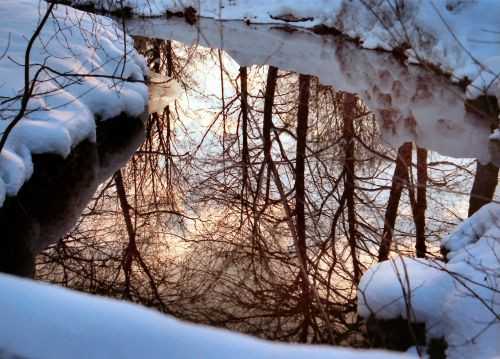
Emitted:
pixel 254 177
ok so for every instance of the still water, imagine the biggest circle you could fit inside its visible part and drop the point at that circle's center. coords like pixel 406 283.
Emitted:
pixel 285 151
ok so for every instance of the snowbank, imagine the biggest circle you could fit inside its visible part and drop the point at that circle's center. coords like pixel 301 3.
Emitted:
pixel 63 111
pixel 46 209
pixel 45 321
pixel 410 103
pixel 458 300
pixel 458 36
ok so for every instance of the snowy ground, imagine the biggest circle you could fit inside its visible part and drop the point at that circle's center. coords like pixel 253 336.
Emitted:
pixel 458 300
pixel 460 37
pixel 62 111
pixel 48 322
pixel 410 103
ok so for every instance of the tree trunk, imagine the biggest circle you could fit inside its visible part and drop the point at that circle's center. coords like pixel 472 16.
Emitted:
pixel 131 252
pixel 272 75
pixel 483 188
pixel 421 203
pixel 349 107
pixel 156 55
pixel 170 60
pixel 302 114
pixel 399 178
pixel 168 162
pixel 245 155
pixel 131 248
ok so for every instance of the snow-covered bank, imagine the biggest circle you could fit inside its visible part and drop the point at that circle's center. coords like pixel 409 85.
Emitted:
pixel 458 36
pixel 45 321
pixel 410 103
pixel 458 300
pixel 49 205
pixel 62 111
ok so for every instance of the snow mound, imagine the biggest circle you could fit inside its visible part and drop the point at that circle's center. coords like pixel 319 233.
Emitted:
pixel 410 103
pixel 458 300
pixel 447 33
pixel 62 111
pixel 45 321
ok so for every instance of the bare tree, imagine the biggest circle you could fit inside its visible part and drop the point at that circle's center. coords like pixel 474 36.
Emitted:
pixel 399 180
pixel 483 188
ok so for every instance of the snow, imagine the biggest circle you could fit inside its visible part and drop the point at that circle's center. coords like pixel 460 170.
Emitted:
pixel 95 166
pixel 62 112
pixel 162 89
pixel 410 103
pixel 495 136
pixel 456 300
pixel 46 321
pixel 447 34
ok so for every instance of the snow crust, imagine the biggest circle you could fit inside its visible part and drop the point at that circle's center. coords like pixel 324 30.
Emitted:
pixel 410 103
pixel 458 36
pixel 62 112
pixel 458 300
pixel 45 321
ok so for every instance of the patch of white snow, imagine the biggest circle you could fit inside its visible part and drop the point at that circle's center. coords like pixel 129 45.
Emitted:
pixel 49 322
pixel 62 110
pixel 447 33
pixel 458 300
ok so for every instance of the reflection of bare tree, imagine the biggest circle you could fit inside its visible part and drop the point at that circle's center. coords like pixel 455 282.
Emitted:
pixel 419 205
pixel 265 221
pixel 300 197
pixel 399 179
pixel 349 106
pixel 483 189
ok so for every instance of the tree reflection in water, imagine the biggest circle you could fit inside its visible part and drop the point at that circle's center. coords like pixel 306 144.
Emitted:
pixel 256 202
